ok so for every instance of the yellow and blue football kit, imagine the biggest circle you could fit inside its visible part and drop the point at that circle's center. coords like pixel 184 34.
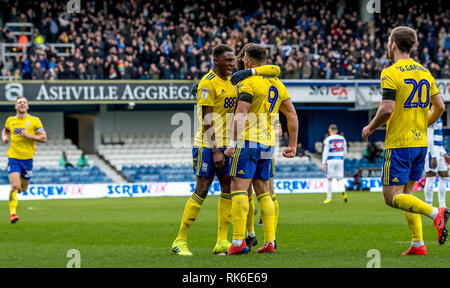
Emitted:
pixel 255 147
pixel 21 149
pixel 220 94
pixel 411 86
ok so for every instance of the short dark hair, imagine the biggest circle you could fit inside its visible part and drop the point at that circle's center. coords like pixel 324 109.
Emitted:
pixel 405 38
pixel 240 56
pixel 256 52
pixel 220 49
pixel 333 127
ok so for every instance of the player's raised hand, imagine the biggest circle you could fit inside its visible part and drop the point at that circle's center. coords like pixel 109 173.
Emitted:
pixel 240 75
pixel 447 159
pixel 365 133
pixel 229 152
pixel 194 89
pixel 289 152
pixel 219 159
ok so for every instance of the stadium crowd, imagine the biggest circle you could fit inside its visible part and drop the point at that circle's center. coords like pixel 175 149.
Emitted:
pixel 130 39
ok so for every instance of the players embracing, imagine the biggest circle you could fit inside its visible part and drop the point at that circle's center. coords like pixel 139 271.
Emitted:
pixel 216 98
pixel 252 146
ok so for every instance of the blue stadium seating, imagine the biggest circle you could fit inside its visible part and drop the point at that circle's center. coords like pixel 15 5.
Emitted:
pixel 447 143
pixel 350 165
pixel 70 175
pixel 177 173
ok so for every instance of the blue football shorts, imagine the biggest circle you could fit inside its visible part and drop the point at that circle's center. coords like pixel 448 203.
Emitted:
pixel 24 167
pixel 252 160
pixel 403 164
pixel 203 162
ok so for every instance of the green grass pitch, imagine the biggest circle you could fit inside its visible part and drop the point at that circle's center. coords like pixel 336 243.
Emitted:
pixel 138 232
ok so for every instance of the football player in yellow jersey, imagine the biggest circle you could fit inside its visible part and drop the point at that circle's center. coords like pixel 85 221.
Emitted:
pixel 252 147
pixel 22 131
pixel 408 90
pixel 216 97
pixel 251 239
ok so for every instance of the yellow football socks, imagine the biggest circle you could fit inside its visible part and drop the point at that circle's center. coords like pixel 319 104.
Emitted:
pixel 410 203
pixel 415 225
pixel 277 209
pixel 12 202
pixel 267 215
pixel 190 213
pixel 224 216
pixel 239 211
pixel 251 215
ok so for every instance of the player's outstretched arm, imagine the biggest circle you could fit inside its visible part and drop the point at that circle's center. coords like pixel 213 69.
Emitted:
pixel 383 114
pixel 266 70
pixel 287 108
pixel 207 115
pixel 437 108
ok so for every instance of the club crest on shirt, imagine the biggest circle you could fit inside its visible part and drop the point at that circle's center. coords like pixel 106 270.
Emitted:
pixel 27 124
pixel 205 92
pixel 417 135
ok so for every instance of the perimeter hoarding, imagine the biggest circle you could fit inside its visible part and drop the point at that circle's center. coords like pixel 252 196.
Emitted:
pixel 155 189
pixel 178 91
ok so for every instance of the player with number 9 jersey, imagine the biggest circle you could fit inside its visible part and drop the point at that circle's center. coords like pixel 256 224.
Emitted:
pixel 268 94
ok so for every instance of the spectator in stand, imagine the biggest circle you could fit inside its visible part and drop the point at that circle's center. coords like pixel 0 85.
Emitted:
pixel 357 180
pixel 372 152
pixel 300 150
pixel 314 40
pixel 285 139
pixel 155 73
pixel 38 72
pixel 64 161
pixel 83 161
